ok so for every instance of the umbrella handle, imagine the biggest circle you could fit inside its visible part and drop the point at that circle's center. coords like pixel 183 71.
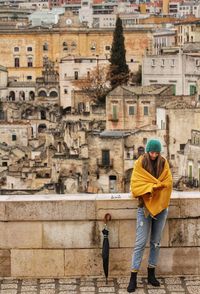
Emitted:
pixel 107 217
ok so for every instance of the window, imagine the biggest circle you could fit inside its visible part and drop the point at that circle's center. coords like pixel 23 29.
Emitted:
pixel 17 64
pixel 163 63
pixel 190 171
pixel 45 47
pixel 197 62
pixel 65 91
pixel 146 110
pixel 144 141
pixel 172 156
pixel 29 78
pixel 14 137
pixel 131 110
pixel 93 47
pixel 30 62
pixel 4 163
pixel 114 112
pixel 76 75
pixel 2 115
pixel 153 62
pixel 107 48
pixel 16 49
pixel 105 157
pixel 174 90
pixel 193 89
pixel 29 49
pixel 173 63
pixel 182 146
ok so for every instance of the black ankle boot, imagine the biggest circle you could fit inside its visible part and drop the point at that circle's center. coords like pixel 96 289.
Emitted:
pixel 133 282
pixel 151 277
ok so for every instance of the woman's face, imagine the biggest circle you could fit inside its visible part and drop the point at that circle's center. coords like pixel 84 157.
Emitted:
pixel 153 155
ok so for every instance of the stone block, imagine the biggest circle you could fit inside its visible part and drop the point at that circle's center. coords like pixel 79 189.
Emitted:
pixel 119 209
pixel 5 268
pixel 2 211
pixel 179 261
pixel 37 263
pixel 50 210
pixel 127 231
pixel 83 262
pixel 77 234
pixel 21 235
pixel 174 209
pixel 184 232
pixel 190 207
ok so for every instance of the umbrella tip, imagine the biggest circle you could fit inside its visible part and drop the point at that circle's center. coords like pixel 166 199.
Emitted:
pixel 106 281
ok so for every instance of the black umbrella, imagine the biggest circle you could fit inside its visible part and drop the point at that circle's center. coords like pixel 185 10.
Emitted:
pixel 106 247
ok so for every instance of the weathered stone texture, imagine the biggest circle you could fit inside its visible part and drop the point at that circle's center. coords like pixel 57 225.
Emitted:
pixel 5 267
pixel 21 235
pixel 37 263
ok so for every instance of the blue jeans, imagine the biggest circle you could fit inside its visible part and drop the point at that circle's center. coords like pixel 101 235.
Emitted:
pixel 145 225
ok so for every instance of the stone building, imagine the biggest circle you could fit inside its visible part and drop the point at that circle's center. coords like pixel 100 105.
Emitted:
pixel 23 51
pixel 74 68
pixel 177 117
pixel 132 108
pixel 189 158
pixel 180 69
pixel 3 82
pixel 188 30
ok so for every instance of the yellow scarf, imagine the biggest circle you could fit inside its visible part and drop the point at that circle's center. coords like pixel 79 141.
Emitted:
pixel 142 182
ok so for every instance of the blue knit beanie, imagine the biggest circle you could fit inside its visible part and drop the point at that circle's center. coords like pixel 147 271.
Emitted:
pixel 153 145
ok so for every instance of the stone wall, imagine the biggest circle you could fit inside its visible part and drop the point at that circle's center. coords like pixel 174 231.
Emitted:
pixel 60 235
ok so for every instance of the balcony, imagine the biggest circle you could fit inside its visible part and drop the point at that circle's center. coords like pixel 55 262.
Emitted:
pixel 113 118
pixel 108 164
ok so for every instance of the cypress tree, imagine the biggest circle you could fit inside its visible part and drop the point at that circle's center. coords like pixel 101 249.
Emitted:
pixel 119 71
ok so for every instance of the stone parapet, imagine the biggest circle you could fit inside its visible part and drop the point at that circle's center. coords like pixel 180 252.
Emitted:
pixel 60 235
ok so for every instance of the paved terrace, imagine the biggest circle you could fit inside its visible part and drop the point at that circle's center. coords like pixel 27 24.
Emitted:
pixel 169 285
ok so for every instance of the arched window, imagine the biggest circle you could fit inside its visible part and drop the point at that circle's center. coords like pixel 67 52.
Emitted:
pixel 53 94
pixel 43 114
pixel 31 95
pixel 12 96
pixel 16 61
pixel 21 95
pixel 42 93
pixel 16 49
pixel 42 128
pixel 30 62
pixel 45 47
pixel 141 150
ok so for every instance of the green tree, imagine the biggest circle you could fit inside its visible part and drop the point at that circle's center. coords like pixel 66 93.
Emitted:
pixel 119 71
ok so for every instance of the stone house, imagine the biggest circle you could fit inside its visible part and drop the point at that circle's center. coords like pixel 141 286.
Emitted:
pixel 3 82
pixel 189 159
pixel 180 69
pixel 23 51
pixel 74 68
pixel 132 108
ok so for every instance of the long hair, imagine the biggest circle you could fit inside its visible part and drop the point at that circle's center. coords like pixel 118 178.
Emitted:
pixel 147 165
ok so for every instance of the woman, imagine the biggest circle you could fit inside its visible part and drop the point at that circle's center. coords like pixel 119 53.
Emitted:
pixel 151 183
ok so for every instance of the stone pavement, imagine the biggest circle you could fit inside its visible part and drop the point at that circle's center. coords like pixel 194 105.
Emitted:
pixel 175 285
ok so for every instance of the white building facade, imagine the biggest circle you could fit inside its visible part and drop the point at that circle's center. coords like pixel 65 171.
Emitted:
pixel 73 68
pixel 181 70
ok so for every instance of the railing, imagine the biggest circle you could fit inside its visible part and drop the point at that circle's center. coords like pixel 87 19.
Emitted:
pixel 55 233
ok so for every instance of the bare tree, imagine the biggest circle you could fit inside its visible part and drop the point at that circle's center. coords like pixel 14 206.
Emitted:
pixel 96 84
